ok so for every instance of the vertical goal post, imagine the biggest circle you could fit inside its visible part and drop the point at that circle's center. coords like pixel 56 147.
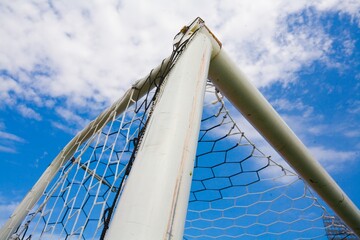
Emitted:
pixel 161 173
pixel 180 107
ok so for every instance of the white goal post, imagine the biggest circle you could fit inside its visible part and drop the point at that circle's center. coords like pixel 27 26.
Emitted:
pixel 157 209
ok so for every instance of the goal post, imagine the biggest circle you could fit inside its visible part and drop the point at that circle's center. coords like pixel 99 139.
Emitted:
pixel 154 201
pixel 258 111
pixel 146 195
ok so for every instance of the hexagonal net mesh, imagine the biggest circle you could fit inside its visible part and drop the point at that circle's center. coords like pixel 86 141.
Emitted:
pixel 79 202
pixel 238 192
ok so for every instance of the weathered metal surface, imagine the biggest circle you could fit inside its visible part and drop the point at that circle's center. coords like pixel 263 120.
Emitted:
pixel 154 201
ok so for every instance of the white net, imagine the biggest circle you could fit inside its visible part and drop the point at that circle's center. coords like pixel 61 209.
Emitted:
pixel 77 203
pixel 336 229
pixel 237 192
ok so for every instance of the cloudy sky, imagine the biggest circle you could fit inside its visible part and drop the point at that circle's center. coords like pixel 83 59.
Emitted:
pixel 63 62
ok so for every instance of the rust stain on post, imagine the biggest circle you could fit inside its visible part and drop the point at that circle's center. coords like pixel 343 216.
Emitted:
pixel 184 157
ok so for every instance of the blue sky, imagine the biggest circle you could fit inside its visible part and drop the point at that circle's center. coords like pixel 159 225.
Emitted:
pixel 61 64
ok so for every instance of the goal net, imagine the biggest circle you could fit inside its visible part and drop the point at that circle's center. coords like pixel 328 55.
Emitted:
pixel 237 192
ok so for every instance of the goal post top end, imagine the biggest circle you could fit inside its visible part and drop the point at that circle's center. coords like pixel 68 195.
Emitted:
pixel 198 25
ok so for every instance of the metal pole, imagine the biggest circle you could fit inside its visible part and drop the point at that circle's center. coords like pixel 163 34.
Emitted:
pixel 257 110
pixel 139 89
pixel 153 204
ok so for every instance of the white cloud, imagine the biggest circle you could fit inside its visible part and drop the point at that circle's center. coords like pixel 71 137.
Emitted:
pixel 8 141
pixel 350 7
pixel 89 51
pixel 286 105
pixel 301 118
pixel 6 209
pixel 266 47
pixel 354 107
pixel 71 117
pixel 332 159
pixel 11 137
pixel 28 112
pixel 7 149
pixel 309 125
pixel 349 46
pixel 64 128
pixel 352 133
pixel 78 57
